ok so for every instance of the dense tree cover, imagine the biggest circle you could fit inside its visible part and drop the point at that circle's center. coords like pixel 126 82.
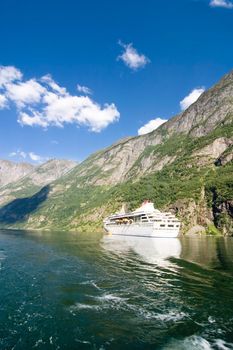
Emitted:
pixel 188 177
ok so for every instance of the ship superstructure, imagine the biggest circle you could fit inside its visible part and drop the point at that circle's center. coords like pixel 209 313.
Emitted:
pixel 144 221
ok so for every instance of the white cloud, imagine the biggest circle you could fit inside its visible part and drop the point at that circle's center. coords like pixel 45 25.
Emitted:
pixel 23 154
pixel 42 102
pixel 23 93
pixel 221 3
pixel 55 87
pixel 9 74
pixel 29 156
pixel 35 157
pixel 69 109
pixel 151 125
pixel 3 101
pixel 18 154
pixel 35 119
pixel 191 98
pixel 84 89
pixel 12 154
pixel 132 58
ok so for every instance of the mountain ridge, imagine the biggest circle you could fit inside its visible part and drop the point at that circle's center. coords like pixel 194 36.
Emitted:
pixel 181 123
pixel 12 171
pixel 185 165
pixel 38 176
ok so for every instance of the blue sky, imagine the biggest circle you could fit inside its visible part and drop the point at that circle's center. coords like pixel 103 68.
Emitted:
pixel 178 49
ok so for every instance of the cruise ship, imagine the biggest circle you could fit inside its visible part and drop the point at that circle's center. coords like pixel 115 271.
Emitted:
pixel 145 221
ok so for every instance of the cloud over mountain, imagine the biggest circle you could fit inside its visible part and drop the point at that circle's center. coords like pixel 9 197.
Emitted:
pixel 151 125
pixel 42 102
pixel 31 156
pixel 191 98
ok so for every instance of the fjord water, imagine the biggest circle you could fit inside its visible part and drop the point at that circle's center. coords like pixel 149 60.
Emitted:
pixel 88 291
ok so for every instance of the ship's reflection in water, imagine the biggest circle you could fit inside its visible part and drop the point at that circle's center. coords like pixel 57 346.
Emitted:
pixel 152 250
pixel 205 251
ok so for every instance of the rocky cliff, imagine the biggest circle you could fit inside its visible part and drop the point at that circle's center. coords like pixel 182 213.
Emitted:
pixel 11 171
pixel 184 165
pixel 139 155
pixel 32 179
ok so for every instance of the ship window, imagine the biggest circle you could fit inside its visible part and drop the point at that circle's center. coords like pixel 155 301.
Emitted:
pixel 162 225
pixel 177 225
pixel 170 225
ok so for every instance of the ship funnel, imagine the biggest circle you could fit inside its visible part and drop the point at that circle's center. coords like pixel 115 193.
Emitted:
pixel 146 206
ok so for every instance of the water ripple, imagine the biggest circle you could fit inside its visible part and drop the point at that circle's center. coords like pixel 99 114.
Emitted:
pixel 105 293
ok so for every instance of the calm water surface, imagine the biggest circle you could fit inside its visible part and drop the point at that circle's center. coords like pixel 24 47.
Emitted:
pixel 79 291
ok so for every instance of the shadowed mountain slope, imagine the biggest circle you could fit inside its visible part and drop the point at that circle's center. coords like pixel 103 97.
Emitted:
pixel 37 178
pixel 185 165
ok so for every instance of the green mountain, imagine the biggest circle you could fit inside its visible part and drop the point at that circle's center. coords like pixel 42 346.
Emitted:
pixel 185 165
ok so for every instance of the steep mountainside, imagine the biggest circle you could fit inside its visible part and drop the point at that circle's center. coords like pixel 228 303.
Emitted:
pixel 185 165
pixel 34 180
pixel 142 155
pixel 10 171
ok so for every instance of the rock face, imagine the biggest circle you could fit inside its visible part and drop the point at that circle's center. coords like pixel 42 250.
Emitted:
pixel 138 156
pixel 216 148
pixel 185 164
pixel 11 172
pixel 50 171
pixel 213 107
pixel 37 177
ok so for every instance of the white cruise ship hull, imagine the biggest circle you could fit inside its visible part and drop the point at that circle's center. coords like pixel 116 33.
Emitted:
pixel 141 230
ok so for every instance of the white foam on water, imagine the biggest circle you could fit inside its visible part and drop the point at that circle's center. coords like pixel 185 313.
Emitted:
pixel 95 285
pixel 104 302
pixel 92 283
pixel 83 341
pixel 2 258
pixel 171 316
pixel 211 319
pixel 82 306
pixel 110 297
pixel 190 343
pixel 110 301
pixel 222 345
pixel 37 343
pixel 197 343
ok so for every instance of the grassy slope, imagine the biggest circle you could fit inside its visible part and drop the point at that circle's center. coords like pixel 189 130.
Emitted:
pixel 83 207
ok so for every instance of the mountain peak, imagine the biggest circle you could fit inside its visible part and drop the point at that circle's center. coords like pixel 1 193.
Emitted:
pixel 12 171
pixel 176 162
pixel 213 107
